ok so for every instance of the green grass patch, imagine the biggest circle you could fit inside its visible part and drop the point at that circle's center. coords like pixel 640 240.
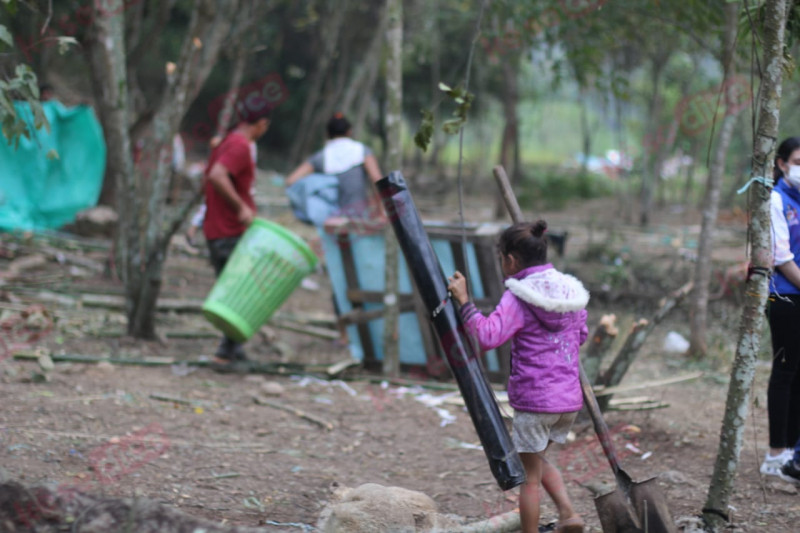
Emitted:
pixel 549 187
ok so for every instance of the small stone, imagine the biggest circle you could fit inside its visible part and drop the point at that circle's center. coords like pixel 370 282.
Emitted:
pixel 271 388
pixel 105 366
pixel 46 363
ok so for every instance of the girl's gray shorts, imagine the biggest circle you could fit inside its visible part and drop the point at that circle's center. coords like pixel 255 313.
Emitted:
pixel 532 432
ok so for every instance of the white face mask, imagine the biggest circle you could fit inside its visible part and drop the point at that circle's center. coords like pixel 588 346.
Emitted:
pixel 793 176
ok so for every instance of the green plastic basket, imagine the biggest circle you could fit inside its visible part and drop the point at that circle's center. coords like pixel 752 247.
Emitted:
pixel 266 266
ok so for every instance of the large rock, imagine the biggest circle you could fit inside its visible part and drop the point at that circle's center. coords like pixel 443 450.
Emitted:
pixel 370 508
pixel 100 221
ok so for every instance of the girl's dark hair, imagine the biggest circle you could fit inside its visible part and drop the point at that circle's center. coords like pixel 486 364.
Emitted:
pixel 338 126
pixel 784 152
pixel 526 242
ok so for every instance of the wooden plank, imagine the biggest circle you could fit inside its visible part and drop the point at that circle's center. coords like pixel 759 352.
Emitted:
pixel 375 297
pixel 607 391
pixel 351 278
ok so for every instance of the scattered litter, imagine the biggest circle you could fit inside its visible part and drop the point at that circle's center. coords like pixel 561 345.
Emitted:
pixel 674 342
pixel 455 443
pixel 646 455
pixel 304 527
pixel 309 284
pixel 632 448
pixel 182 369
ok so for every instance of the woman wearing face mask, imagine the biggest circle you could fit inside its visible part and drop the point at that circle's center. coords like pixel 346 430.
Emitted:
pixel 783 312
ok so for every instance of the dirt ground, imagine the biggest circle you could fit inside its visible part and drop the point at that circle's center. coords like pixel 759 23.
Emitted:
pixel 220 454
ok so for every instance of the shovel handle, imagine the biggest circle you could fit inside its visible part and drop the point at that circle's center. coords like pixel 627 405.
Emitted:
pixel 508 194
pixel 600 426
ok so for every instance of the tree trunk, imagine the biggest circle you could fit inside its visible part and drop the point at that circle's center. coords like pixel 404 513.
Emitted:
pixel 689 183
pixel 394 161
pixel 332 21
pixel 652 170
pixel 755 292
pixel 702 273
pixel 109 73
pixel 145 227
pixel 360 81
pixel 509 147
pixel 226 113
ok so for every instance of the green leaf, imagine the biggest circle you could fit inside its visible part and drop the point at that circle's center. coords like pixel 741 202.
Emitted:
pixel 445 88
pixel 5 36
pixel 425 132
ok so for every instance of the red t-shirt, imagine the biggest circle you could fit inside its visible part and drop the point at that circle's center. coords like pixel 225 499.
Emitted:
pixel 234 154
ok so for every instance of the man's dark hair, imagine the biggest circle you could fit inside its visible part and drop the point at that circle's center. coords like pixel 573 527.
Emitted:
pixel 250 115
pixel 338 126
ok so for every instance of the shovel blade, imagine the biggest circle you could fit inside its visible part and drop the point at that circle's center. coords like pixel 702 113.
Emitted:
pixel 616 513
pixel 651 507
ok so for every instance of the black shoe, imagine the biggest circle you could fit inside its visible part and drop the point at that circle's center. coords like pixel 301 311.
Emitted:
pixel 790 472
pixel 230 350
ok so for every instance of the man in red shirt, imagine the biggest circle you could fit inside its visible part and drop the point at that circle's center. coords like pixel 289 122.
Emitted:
pixel 229 178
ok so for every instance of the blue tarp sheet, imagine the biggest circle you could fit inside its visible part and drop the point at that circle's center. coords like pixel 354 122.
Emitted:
pixel 37 192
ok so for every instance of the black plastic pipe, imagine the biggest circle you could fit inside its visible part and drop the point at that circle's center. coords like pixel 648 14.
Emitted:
pixel 463 355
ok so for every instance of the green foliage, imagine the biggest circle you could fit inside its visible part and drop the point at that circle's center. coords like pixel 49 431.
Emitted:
pixel 426 130
pixel 463 100
pixel 553 188
pixel 24 86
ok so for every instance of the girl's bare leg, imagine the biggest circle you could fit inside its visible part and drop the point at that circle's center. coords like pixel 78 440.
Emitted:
pixel 553 483
pixel 529 494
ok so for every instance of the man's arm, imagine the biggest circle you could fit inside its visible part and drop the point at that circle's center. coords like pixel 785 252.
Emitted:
pixel 791 271
pixel 220 180
pixel 372 168
pixel 299 173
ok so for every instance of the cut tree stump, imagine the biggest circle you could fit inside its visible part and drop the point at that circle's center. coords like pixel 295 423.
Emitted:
pixel 604 336
pixel 640 331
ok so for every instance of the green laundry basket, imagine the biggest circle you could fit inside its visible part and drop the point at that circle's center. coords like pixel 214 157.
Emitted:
pixel 266 266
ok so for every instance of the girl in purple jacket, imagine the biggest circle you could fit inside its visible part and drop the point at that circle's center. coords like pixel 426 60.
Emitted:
pixel 543 312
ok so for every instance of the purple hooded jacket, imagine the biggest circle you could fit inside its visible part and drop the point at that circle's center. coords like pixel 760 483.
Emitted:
pixel 544 313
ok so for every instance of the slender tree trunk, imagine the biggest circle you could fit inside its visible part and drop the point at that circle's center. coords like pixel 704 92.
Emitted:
pixel 331 26
pixel 702 273
pixel 394 161
pixel 226 113
pixel 145 227
pixel 690 172
pixel 586 133
pixel 436 76
pixel 755 293
pixel 509 147
pixel 107 61
pixel 360 82
pixel 652 170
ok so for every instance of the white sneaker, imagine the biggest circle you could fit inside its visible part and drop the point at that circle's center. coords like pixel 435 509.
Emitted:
pixel 772 464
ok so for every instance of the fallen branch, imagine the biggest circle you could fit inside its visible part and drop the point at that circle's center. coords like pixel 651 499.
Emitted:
pixel 180 401
pixel 337 368
pixel 606 391
pixel 297 412
pixel 250 366
pixel 505 523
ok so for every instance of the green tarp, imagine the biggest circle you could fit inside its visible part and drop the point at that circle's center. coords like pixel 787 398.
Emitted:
pixel 37 192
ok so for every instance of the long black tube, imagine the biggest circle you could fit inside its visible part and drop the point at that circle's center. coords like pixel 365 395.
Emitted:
pixel 462 355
